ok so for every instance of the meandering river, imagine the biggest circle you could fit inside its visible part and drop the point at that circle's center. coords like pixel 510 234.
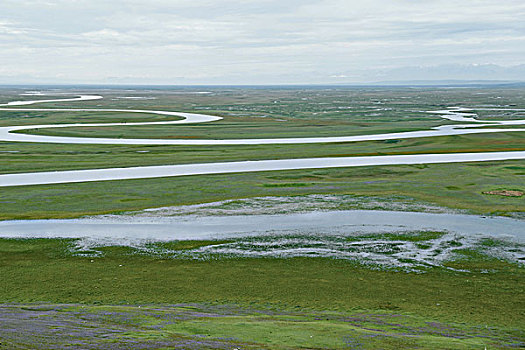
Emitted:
pixel 456 114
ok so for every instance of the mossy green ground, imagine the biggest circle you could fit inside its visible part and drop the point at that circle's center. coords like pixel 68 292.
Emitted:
pixel 489 295
pixel 121 277
pixel 200 326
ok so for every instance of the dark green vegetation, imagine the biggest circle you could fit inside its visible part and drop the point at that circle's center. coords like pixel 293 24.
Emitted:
pixel 357 300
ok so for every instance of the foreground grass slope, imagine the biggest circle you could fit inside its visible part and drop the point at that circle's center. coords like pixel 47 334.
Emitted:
pixel 489 294
pixel 198 326
pixel 370 307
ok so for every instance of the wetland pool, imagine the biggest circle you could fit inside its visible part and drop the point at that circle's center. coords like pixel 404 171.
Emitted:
pixel 125 228
pixel 393 239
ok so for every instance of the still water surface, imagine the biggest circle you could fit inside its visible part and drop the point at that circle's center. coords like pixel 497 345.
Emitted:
pixel 122 229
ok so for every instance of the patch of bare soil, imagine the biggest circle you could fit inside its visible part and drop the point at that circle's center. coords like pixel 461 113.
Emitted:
pixel 506 193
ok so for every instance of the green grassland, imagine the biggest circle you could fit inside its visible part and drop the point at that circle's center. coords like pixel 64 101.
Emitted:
pixel 299 112
pixel 262 113
pixel 475 300
pixel 198 326
pixel 489 295
pixel 232 127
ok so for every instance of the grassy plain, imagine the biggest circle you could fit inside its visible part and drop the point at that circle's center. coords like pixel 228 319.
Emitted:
pixel 335 301
pixel 264 112
pixel 464 303
pixel 204 326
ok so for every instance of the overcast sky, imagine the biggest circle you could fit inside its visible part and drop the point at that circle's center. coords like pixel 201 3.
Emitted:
pixel 259 41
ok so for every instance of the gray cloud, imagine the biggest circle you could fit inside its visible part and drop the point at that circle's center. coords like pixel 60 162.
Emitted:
pixel 253 41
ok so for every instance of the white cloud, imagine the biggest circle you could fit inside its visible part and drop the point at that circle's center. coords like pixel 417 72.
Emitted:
pixel 252 41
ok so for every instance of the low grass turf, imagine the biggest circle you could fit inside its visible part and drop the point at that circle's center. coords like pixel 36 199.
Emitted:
pixel 198 326
pixel 43 270
pixel 489 295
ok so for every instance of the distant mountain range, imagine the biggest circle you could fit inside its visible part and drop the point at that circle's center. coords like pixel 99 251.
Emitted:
pixel 439 75
pixel 450 74
pixel 447 83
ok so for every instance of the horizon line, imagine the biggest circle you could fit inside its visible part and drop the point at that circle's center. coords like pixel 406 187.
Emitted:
pixel 444 82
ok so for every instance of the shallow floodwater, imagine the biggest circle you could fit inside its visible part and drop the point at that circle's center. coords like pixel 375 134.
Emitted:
pixel 122 230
